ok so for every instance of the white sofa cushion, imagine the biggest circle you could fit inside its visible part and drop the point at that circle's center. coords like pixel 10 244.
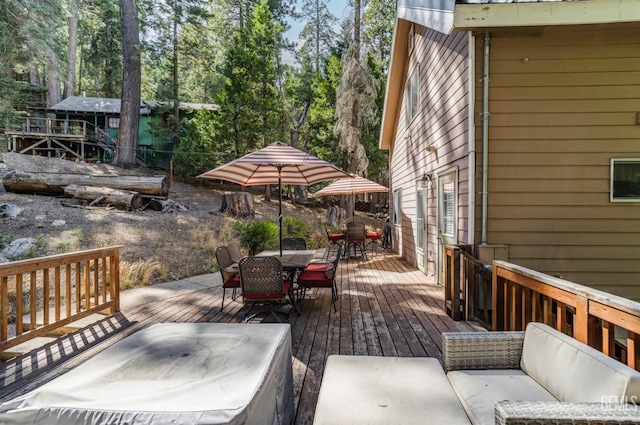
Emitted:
pixel 386 390
pixel 573 371
pixel 478 391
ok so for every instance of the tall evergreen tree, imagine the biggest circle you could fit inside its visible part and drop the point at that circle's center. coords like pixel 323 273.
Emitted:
pixel 317 34
pixel 100 46
pixel 130 100
pixel 378 21
pixel 250 107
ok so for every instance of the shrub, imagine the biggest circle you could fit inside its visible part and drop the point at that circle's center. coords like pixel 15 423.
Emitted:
pixel 257 236
pixel 295 228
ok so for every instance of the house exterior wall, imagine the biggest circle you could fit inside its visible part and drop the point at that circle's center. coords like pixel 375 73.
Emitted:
pixel 442 121
pixel 563 101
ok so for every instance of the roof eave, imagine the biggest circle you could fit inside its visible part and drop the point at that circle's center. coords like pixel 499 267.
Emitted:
pixel 469 16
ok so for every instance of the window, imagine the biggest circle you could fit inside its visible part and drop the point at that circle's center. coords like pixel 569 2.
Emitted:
pixel 410 39
pixel 113 122
pixel 397 207
pixel 625 180
pixel 449 208
pixel 411 96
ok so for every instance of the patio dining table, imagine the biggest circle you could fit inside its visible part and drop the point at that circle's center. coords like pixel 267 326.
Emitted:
pixel 293 261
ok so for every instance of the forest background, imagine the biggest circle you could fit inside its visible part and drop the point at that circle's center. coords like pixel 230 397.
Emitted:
pixel 223 52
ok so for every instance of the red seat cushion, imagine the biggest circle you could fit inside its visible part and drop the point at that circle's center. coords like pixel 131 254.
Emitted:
pixel 336 236
pixel 317 267
pixel 316 279
pixel 373 235
pixel 272 296
pixel 233 282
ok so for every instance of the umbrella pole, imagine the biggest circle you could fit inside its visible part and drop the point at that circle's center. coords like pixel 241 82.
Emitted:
pixel 280 206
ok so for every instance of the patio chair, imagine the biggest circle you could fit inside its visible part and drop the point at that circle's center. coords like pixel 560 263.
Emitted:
pixel 320 275
pixel 294 244
pixel 356 238
pixel 234 249
pixel 373 239
pixel 230 275
pixel 336 240
pixel 262 282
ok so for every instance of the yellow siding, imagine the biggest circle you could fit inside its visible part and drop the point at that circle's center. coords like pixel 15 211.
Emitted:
pixel 563 103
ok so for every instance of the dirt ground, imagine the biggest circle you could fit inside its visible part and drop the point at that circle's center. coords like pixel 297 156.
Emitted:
pixel 156 247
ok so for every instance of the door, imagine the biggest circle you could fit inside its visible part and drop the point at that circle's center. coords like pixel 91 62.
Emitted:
pixel 447 217
pixel 421 226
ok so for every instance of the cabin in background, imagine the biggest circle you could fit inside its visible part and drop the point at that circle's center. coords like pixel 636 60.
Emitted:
pixel 86 129
pixel 514 130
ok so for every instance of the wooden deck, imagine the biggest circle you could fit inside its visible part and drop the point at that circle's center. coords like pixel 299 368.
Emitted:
pixel 386 308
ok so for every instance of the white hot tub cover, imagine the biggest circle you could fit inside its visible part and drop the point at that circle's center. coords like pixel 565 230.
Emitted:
pixel 172 373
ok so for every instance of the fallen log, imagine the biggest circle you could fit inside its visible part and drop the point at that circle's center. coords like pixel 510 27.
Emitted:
pixel 54 183
pixel 105 196
pixel 167 205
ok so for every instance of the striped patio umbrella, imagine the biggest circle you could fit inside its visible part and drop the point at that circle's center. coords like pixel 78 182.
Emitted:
pixel 278 164
pixel 351 186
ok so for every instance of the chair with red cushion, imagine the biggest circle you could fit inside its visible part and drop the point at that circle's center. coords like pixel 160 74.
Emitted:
pixel 336 239
pixel 229 273
pixel 373 238
pixel 262 282
pixel 320 275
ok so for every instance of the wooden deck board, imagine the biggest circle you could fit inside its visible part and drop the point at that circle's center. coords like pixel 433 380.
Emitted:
pixel 385 308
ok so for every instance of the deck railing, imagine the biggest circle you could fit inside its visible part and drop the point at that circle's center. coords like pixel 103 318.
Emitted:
pixel 55 135
pixel 467 287
pixel 606 322
pixel 40 295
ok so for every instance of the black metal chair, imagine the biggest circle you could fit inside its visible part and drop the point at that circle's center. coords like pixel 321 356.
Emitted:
pixel 234 249
pixel 294 244
pixel 336 240
pixel 356 238
pixel 320 275
pixel 262 282
pixel 230 274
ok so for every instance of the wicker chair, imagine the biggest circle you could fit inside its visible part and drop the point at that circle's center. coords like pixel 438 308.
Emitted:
pixel 293 244
pixel 320 275
pixel 262 282
pixel 230 278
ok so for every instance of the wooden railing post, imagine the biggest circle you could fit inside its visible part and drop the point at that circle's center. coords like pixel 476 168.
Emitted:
pixel 498 299
pixel 581 320
pixel 452 282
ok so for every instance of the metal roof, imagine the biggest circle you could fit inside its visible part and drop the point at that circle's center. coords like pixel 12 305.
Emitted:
pixel 106 105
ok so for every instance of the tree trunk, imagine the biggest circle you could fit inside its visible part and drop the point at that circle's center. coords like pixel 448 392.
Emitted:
pixel 300 192
pixel 73 49
pixel 176 97
pixel 131 77
pixel 335 216
pixel 21 182
pixel 53 78
pixel 238 204
pixel 105 195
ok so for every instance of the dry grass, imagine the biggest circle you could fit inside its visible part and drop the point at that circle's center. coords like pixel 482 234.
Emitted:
pixel 141 272
pixel 156 247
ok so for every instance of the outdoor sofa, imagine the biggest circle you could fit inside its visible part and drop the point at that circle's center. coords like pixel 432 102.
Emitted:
pixel 539 376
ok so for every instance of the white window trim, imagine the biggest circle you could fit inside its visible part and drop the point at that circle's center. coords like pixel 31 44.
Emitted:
pixel 411 39
pixel 397 207
pixel 410 114
pixel 615 161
